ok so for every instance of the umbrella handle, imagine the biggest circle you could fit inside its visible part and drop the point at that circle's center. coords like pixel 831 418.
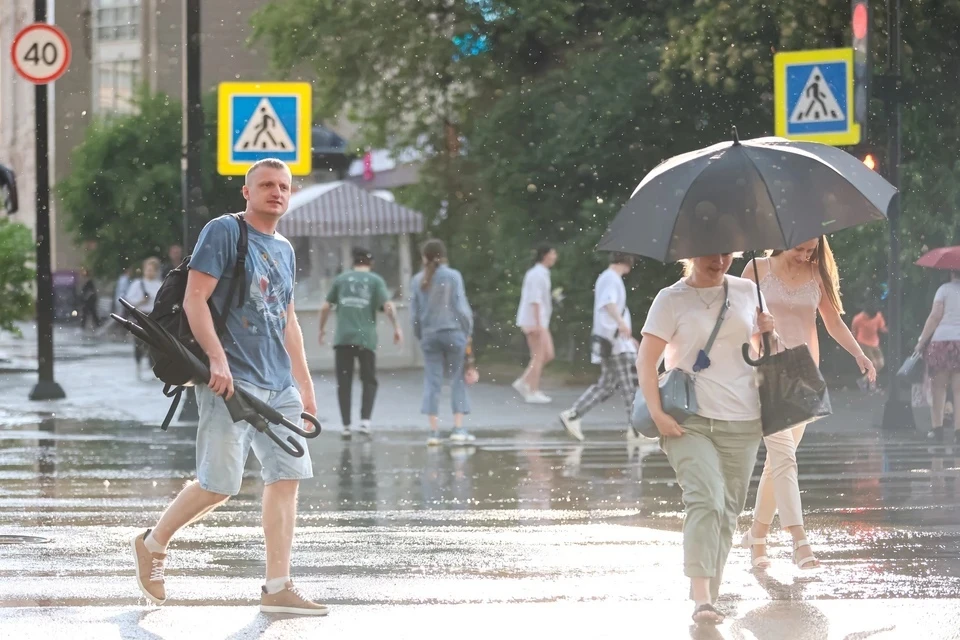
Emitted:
pixel 763 357
pixel 294 448
pixel 303 432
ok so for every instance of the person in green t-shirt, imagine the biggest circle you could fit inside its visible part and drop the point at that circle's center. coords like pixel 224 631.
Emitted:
pixel 357 295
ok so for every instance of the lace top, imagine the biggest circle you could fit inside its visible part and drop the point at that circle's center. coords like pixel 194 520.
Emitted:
pixel 794 311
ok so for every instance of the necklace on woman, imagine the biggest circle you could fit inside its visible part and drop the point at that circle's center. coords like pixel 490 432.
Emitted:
pixel 705 303
pixel 702 301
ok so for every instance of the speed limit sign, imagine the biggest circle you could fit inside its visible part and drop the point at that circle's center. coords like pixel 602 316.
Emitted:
pixel 41 53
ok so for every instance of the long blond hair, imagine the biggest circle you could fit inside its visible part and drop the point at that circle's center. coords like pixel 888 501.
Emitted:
pixel 829 274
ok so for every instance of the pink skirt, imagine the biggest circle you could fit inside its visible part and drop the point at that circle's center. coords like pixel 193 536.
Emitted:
pixel 943 357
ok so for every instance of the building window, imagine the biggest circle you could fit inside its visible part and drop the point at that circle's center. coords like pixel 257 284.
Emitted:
pixel 117 20
pixel 117 84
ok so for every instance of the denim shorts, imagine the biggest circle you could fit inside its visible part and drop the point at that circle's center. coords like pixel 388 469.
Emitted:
pixel 224 445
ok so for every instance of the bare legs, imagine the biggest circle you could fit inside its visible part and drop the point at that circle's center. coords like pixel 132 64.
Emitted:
pixel 279 518
pixel 190 505
pixel 541 354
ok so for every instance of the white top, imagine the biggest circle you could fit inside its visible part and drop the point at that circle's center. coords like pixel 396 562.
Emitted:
pixel 949 328
pixel 136 291
pixel 610 289
pixel 727 389
pixel 536 290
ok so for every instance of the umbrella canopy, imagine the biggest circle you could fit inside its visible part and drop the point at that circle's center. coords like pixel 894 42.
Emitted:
pixel 242 406
pixel 767 193
pixel 945 258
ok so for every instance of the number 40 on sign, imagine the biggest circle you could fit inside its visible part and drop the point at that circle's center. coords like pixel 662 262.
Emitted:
pixel 40 53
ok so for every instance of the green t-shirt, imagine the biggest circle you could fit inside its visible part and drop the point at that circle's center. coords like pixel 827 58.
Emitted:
pixel 357 296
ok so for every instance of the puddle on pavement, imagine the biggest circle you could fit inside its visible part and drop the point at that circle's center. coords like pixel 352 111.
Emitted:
pixel 889 505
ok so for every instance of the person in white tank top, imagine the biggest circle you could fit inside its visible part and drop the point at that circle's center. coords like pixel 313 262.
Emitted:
pixel 796 284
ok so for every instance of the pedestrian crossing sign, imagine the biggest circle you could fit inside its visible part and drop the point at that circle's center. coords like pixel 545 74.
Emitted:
pixel 814 96
pixel 259 120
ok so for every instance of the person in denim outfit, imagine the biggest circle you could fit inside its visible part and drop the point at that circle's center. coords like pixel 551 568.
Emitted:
pixel 443 323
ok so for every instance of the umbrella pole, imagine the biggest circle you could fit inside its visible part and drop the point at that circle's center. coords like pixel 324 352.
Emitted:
pixel 766 337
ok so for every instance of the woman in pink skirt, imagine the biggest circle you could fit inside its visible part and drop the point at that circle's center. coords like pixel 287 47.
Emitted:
pixel 941 337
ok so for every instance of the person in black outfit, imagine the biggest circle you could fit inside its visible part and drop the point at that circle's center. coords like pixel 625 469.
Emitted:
pixel 88 298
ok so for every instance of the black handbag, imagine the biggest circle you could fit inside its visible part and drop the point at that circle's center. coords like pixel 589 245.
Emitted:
pixel 792 390
pixel 600 347
pixel 912 370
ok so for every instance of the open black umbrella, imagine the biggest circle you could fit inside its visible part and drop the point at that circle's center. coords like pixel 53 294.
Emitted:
pixel 242 405
pixel 766 193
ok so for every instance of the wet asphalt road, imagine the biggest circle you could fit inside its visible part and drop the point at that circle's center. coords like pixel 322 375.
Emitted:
pixel 523 534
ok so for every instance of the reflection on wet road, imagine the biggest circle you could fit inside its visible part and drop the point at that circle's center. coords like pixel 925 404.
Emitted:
pixel 522 517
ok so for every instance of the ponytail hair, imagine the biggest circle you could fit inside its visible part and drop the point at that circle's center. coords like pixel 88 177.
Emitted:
pixel 434 254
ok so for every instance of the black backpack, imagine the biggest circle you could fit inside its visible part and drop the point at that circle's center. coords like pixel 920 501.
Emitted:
pixel 168 313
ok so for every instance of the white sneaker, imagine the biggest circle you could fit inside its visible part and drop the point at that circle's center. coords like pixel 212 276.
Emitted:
pixel 364 428
pixel 538 397
pixel 571 422
pixel 433 440
pixel 521 387
pixel 461 436
pixel 346 434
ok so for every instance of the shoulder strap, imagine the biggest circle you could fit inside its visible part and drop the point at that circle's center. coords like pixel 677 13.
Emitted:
pixel 720 317
pixel 238 282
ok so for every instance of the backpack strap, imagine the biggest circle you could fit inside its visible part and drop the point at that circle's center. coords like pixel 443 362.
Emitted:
pixel 239 280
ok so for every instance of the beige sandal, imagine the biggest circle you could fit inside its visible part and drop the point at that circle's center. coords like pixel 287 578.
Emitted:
pixel 747 542
pixel 807 562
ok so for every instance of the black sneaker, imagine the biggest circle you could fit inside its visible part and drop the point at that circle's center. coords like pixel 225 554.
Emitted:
pixel 935 434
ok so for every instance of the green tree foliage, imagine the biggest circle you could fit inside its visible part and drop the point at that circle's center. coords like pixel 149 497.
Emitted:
pixel 724 51
pixel 16 254
pixel 123 193
pixel 560 108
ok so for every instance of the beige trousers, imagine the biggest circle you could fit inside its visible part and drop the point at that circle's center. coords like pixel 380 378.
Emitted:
pixel 779 487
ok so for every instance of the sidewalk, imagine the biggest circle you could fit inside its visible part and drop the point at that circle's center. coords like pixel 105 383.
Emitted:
pixel 99 379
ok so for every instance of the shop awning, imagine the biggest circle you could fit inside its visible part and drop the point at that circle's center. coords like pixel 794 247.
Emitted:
pixel 338 209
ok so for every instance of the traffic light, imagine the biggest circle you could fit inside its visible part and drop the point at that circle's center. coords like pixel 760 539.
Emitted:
pixel 862 67
pixel 870 155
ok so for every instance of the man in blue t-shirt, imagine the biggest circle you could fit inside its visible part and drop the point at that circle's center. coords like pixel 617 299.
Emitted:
pixel 261 351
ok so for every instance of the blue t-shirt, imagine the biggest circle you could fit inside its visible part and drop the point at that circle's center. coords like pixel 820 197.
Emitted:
pixel 253 340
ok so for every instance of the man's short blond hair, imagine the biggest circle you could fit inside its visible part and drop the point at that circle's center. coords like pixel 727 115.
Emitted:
pixel 272 163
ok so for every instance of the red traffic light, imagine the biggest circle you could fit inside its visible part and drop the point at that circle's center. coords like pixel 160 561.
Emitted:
pixel 860 20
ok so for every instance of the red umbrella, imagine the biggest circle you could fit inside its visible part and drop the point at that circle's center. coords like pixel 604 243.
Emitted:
pixel 946 258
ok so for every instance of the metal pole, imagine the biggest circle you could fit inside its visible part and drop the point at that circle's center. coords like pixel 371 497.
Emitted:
pixel 898 413
pixel 46 388
pixel 192 125
pixel 192 138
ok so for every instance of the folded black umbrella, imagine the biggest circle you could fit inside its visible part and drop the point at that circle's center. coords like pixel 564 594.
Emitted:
pixel 242 405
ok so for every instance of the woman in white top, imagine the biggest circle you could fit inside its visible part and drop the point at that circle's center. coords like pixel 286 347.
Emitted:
pixel 713 453
pixel 796 284
pixel 942 332
pixel 533 316
pixel 142 293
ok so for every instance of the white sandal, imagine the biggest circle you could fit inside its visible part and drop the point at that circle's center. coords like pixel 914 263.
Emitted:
pixel 747 542
pixel 808 562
